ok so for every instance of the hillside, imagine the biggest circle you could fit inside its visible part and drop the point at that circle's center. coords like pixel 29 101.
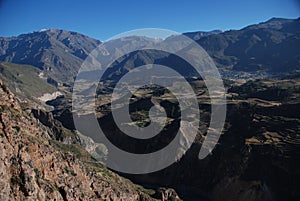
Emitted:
pixel 35 166
pixel 271 46
pixel 25 80
pixel 58 53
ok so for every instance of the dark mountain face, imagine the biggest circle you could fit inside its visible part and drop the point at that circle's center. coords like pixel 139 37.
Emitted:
pixel 58 52
pixel 272 46
pixel 199 34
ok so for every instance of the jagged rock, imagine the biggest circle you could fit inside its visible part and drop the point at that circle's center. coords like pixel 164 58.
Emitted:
pixel 167 194
pixel 32 168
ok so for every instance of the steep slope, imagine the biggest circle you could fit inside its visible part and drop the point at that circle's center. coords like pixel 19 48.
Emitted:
pixel 34 167
pixel 271 46
pixel 25 80
pixel 58 52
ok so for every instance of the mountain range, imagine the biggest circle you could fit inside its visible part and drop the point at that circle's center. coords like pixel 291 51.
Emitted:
pixel 44 157
pixel 269 47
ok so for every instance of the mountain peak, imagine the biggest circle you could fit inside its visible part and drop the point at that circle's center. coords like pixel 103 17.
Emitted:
pixel 277 19
pixel 59 53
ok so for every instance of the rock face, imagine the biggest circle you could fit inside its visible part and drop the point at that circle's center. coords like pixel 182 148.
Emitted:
pixel 32 168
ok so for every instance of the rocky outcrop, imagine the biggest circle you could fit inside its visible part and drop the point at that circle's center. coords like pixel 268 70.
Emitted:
pixel 57 131
pixel 165 194
pixel 32 168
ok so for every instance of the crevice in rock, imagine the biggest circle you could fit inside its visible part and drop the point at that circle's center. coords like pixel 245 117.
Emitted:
pixel 4 130
pixel 63 193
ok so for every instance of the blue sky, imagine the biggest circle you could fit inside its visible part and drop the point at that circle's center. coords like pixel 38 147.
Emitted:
pixel 103 19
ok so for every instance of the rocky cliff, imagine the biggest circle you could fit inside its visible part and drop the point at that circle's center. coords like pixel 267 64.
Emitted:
pixel 35 167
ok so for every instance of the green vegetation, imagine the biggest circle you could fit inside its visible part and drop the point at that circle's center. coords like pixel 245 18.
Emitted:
pixel 24 80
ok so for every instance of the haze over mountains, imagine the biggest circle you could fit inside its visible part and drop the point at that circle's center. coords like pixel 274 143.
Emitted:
pixel 269 47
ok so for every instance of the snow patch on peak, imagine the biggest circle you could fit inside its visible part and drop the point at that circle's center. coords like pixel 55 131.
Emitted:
pixel 43 30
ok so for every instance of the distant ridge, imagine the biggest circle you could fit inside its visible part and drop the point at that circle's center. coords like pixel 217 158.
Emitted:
pixel 271 47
